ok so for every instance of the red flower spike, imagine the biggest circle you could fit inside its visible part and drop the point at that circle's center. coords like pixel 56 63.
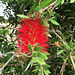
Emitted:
pixel 34 33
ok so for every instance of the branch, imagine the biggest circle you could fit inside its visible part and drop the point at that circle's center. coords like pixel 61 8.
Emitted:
pixel 1 69
pixel 6 64
pixel 42 69
pixel 51 56
pixel 72 61
pixel 3 35
pixel 48 13
pixel 1 55
pixel 58 37
pixel 63 66
pixel 52 9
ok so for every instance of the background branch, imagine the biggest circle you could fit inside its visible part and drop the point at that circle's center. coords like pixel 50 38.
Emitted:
pixel 72 61
pixel 58 37
pixel 1 69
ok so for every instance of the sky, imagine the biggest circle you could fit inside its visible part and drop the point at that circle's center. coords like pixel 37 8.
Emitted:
pixel 2 7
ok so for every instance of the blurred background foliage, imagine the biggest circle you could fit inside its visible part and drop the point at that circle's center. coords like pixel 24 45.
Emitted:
pixel 61 20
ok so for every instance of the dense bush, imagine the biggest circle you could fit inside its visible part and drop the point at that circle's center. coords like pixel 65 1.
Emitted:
pixel 59 17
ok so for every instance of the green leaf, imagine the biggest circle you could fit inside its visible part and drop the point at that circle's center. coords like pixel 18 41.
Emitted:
pixel 67 46
pixel 2 38
pixel 73 48
pixel 35 54
pixel 71 44
pixel 45 3
pixel 59 52
pixel 73 57
pixel 54 22
pixel 52 13
pixel 18 20
pixel 22 16
pixel 34 60
pixel 58 2
pixel 73 53
pixel 15 49
pixel 30 48
pixel 46 53
pixel 72 1
pixel 42 56
pixel 47 72
pixel 38 48
pixel 49 35
pixel 71 18
pixel 47 65
pixel 41 61
pixel 27 66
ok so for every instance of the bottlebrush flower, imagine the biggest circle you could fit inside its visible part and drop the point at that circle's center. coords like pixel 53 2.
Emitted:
pixel 34 33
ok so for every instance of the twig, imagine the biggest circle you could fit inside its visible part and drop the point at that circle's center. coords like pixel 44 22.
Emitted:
pixel 42 69
pixel 58 31
pixel 63 66
pixel 13 64
pixel 6 64
pixel 58 37
pixel 48 13
pixel 72 61
pixel 9 28
pixel 3 35
pixel 51 56
pixel 47 7
pixel 52 9
pixel 6 54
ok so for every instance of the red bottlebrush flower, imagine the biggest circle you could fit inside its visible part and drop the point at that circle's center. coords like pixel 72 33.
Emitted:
pixel 34 33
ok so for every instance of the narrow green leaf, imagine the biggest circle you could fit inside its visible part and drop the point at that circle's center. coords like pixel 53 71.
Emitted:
pixel 73 48
pixel 59 52
pixel 73 57
pixel 22 16
pixel 47 72
pixel 27 66
pixel 49 35
pixel 42 56
pixel 58 2
pixel 52 13
pixel 41 61
pixel 45 3
pixel 34 60
pixel 30 48
pixel 67 46
pixel 18 20
pixel 2 38
pixel 71 1
pixel 71 44
pixel 38 48
pixel 15 50
pixel 35 54
pixel 54 22
pixel 46 53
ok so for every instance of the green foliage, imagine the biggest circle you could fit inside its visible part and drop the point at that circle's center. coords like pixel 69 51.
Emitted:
pixel 30 48
pixel 22 16
pixel 59 52
pixel 38 48
pixel 54 22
